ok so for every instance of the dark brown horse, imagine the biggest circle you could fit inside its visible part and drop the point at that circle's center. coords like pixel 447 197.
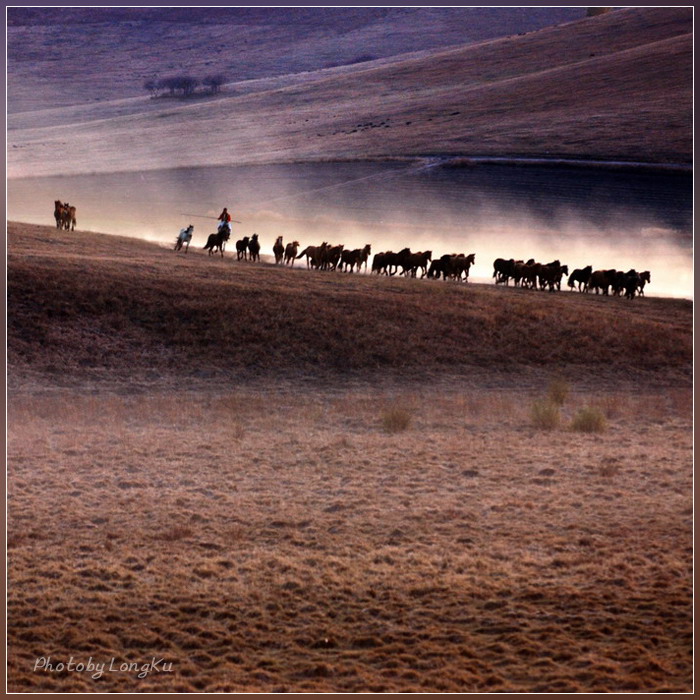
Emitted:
pixel 254 248
pixel 351 258
pixel 314 254
pixel 580 277
pixel 58 213
pixel 217 241
pixel 278 250
pixel 242 248
pixel 644 278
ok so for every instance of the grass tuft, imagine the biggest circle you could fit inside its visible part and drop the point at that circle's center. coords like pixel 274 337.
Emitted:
pixel 396 419
pixel 589 420
pixel 545 414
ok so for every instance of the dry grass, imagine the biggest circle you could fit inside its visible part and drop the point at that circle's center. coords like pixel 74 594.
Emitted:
pixel 589 420
pixel 212 484
pixel 545 415
pixel 319 553
pixel 396 419
pixel 100 305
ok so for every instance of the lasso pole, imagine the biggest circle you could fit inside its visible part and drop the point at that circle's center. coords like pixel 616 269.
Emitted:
pixel 200 216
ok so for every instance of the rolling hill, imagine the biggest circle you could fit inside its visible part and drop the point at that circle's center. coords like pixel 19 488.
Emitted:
pixel 98 305
pixel 113 50
pixel 614 87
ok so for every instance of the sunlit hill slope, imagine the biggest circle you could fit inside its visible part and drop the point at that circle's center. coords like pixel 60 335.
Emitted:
pixel 614 87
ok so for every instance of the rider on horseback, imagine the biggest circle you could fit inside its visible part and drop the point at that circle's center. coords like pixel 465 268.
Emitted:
pixel 225 219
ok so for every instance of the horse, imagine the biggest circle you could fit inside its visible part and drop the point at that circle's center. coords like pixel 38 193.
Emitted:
pixel 580 277
pixel 454 266
pixel 393 260
pixel 69 220
pixel 601 279
pixel 503 270
pixel 64 214
pixel 242 248
pixel 631 283
pixel 437 269
pixel 314 254
pixel 364 256
pixel 644 277
pixel 462 265
pixel 254 248
pixel 331 257
pixel 278 250
pixel 550 275
pixel 380 262
pixel 58 213
pixel 617 283
pixel 418 260
pixel 290 253
pixel 184 237
pixel 217 241
pixel 351 258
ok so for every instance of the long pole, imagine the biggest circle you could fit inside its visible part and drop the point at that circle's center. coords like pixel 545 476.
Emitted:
pixel 199 216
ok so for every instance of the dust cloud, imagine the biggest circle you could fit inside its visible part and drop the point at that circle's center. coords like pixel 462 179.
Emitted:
pixel 603 219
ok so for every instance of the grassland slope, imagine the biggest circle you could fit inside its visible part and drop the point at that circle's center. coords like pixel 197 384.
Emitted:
pixel 112 51
pixel 85 303
pixel 615 87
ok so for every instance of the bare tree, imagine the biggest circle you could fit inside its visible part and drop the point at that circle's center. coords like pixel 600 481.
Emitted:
pixel 152 86
pixel 214 82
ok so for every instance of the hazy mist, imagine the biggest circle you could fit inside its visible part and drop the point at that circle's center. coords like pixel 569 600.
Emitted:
pixel 607 219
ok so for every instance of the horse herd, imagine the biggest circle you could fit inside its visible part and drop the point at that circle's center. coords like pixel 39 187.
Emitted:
pixel 534 275
pixel 64 214
pixel 525 274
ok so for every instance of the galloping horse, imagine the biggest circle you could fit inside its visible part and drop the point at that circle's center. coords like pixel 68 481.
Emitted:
pixel 580 276
pixel 350 258
pixel 218 241
pixel 242 248
pixel 184 237
pixel 290 253
pixel 278 250
pixel 254 248
pixel 644 277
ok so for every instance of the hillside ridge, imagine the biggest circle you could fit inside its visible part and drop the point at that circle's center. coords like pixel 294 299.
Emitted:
pixel 115 305
pixel 631 73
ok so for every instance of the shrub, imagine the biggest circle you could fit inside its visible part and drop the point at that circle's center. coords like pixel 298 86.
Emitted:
pixel 558 391
pixel 152 86
pixel 396 420
pixel 545 415
pixel 589 420
pixel 178 83
pixel 214 82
